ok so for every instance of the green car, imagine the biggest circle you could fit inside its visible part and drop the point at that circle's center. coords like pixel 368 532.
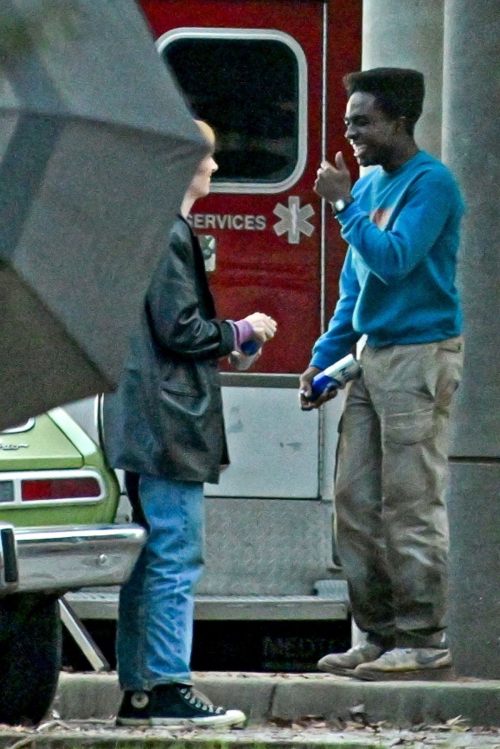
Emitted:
pixel 58 501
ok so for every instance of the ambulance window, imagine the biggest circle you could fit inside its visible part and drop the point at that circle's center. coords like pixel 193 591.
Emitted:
pixel 249 90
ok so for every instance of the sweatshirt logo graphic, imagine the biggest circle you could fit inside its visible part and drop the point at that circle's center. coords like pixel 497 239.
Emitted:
pixel 381 216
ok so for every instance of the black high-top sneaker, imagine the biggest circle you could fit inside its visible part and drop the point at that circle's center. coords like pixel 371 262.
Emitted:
pixel 135 709
pixel 181 705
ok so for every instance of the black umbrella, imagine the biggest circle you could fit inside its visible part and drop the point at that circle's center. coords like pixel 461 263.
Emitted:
pixel 97 148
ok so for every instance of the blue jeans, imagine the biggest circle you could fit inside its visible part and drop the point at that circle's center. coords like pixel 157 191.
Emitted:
pixel 155 623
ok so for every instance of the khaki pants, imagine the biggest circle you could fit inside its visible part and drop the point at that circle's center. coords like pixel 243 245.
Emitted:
pixel 391 519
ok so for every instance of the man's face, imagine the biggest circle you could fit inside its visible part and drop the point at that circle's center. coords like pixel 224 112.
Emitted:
pixel 370 132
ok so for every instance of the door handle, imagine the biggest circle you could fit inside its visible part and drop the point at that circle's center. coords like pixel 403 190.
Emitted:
pixel 208 244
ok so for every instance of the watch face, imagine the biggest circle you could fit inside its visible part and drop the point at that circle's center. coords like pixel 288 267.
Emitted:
pixel 339 205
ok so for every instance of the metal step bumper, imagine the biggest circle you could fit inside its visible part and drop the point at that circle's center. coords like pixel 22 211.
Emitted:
pixel 58 559
pixel 104 605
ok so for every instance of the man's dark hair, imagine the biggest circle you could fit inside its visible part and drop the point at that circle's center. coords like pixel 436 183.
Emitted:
pixel 399 92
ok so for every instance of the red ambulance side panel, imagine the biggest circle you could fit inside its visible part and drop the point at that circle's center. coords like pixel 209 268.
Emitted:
pixel 269 249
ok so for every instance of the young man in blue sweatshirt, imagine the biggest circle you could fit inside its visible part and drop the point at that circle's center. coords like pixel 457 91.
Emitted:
pixel 397 287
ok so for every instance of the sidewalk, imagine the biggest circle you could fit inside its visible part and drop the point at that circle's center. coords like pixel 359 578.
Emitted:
pixel 292 697
pixel 78 735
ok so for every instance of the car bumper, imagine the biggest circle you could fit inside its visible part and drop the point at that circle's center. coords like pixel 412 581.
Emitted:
pixel 59 559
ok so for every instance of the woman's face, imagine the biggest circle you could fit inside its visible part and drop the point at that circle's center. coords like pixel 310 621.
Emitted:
pixel 200 186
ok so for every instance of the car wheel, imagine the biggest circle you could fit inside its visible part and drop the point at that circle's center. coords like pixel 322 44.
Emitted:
pixel 30 657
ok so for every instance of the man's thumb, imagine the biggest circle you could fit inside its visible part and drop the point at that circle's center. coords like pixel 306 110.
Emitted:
pixel 339 161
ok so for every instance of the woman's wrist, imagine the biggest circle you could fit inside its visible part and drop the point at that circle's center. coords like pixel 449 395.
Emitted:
pixel 243 331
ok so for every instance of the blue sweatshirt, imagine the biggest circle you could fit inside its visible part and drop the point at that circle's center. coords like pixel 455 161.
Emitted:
pixel 397 284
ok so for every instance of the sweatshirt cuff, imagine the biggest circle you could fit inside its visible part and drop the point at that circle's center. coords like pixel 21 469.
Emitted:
pixel 243 331
pixel 347 213
pixel 320 362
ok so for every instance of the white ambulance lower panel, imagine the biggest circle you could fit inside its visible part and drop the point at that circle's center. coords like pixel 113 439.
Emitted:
pixel 274 446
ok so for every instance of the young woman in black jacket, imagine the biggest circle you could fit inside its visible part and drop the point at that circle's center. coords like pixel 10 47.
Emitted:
pixel 165 427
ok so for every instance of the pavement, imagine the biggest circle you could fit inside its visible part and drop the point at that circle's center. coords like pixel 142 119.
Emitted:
pixel 287 698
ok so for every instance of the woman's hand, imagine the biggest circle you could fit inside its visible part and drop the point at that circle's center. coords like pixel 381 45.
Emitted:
pixel 264 327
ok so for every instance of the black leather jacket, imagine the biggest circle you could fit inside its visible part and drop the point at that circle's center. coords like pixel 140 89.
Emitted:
pixel 166 417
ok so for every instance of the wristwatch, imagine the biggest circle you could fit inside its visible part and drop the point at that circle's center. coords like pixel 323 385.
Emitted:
pixel 341 204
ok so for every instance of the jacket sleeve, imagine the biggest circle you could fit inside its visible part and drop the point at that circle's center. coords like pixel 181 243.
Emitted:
pixel 340 337
pixel 393 253
pixel 175 309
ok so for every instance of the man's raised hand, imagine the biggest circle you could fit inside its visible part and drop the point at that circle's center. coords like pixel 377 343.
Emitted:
pixel 333 181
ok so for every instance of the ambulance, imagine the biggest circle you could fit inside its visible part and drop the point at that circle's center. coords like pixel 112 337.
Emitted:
pixel 267 75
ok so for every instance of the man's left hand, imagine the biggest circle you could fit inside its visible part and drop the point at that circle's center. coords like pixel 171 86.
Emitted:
pixel 333 182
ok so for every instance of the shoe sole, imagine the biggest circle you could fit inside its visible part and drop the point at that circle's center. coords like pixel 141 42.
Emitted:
pixel 444 673
pixel 180 722
pixel 198 722
pixel 337 671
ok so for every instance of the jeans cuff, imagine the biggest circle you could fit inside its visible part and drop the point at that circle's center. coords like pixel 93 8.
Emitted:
pixel 148 686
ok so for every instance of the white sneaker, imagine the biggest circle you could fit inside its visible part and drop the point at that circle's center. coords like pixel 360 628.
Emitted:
pixel 343 664
pixel 408 664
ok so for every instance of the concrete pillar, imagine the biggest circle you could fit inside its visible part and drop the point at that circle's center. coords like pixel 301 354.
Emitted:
pixel 409 34
pixel 471 148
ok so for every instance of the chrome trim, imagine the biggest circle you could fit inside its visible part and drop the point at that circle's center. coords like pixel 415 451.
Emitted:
pixel 323 157
pixel 322 310
pixel 21 428
pixel 100 420
pixel 97 418
pixel 70 473
pixel 58 559
pixel 302 100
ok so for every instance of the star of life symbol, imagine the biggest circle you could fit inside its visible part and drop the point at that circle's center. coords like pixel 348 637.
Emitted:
pixel 294 220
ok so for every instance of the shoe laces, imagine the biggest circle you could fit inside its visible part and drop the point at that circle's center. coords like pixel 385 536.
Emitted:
pixel 199 700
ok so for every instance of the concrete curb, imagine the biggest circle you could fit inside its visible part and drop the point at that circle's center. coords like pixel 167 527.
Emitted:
pixel 113 738
pixel 293 696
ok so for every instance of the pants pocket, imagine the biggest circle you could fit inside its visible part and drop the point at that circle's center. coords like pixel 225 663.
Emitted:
pixel 455 345
pixel 450 358
pixel 408 427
